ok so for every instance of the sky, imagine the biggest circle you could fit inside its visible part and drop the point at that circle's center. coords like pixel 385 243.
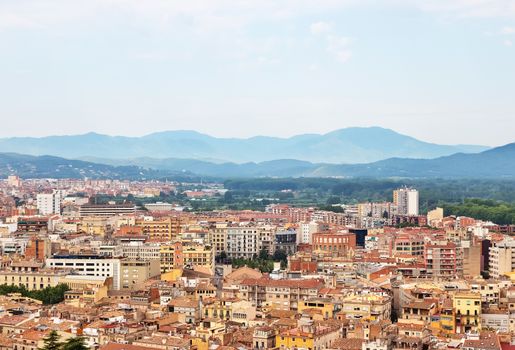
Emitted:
pixel 440 70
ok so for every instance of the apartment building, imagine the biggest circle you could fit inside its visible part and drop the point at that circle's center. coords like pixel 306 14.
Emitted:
pixel 49 203
pixel 502 258
pixel 407 201
pixel 171 256
pixel 411 244
pixel 467 307
pixel 141 251
pixel 306 231
pixel 160 230
pixel 443 259
pixel 198 255
pixel 134 273
pixel 88 265
pixel 218 237
pixel 366 306
pixel 243 242
pixel 30 275
pixel 278 294
pixel 308 336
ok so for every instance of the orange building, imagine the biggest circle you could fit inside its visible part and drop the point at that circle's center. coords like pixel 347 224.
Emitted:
pixel 38 249
pixel 336 243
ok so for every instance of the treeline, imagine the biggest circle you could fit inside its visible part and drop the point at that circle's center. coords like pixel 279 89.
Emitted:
pixel 433 192
pixel 48 295
pixel 489 210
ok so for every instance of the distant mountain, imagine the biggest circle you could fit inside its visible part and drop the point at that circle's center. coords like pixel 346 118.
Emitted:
pixel 495 163
pixel 351 145
pixel 498 162
pixel 28 166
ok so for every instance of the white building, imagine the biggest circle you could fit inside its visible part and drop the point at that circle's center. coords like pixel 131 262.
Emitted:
pixel 49 203
pixel 88 265
pixel 242 242
pixel 10 245
pixel 407 201
pixel 306 230
pixel 502 258
pixel 140 251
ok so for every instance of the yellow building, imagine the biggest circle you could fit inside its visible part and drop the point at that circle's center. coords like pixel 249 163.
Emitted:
pixel 199 255
pixel 80 282
pixel 231 309
pixel 172 275
pixel 217 237
pixel 170 256
pixel 366 307
pixel 444 319
pixel 420 311
pixel 198 343
pixel 435 216
pixel 93 225
pixel 467 309
pixel 134 273
pixel 211 328
pixel 32 280
pixel 308 337
pixel 203 290
pixel 325 306
pixel 161 230
pixel 85 290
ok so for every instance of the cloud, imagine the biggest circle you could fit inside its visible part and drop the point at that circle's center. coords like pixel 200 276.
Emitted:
pixel 508 43
pixel 320 27
pixel 12 20
pixel 339 46
pixel 208 15
pixel 467 8
pixel 508 30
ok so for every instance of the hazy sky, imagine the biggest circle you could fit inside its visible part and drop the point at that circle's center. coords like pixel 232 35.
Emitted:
pixel 439 70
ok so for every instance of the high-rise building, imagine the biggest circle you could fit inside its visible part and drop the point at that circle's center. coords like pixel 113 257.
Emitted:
pixel 49 203
pixel 406 199
pixel 306 231
pixel 502 258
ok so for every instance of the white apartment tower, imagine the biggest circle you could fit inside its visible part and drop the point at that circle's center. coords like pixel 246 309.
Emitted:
pixel 406 199
pixel 49 203
pixel 502 258
pixel 306 230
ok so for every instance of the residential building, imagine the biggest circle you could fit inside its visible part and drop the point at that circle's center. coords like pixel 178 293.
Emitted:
pixel 407 201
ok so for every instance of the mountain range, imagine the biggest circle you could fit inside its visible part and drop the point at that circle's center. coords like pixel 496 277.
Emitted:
pixel 344 146
pixel 28 166
pixel 493 163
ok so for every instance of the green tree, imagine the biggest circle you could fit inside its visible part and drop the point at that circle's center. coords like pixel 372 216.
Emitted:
pixel 263 254
pixel 75 343
pixel 48 295
pixel 333 200
pixel 280 255
pixel 51 341
pixel 228 197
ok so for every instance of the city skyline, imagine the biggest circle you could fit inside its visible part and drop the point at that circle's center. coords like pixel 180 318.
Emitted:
pixel 427 69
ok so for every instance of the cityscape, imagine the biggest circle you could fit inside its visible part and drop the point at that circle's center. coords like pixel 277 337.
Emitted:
pixel 82 259
pixel 257 174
